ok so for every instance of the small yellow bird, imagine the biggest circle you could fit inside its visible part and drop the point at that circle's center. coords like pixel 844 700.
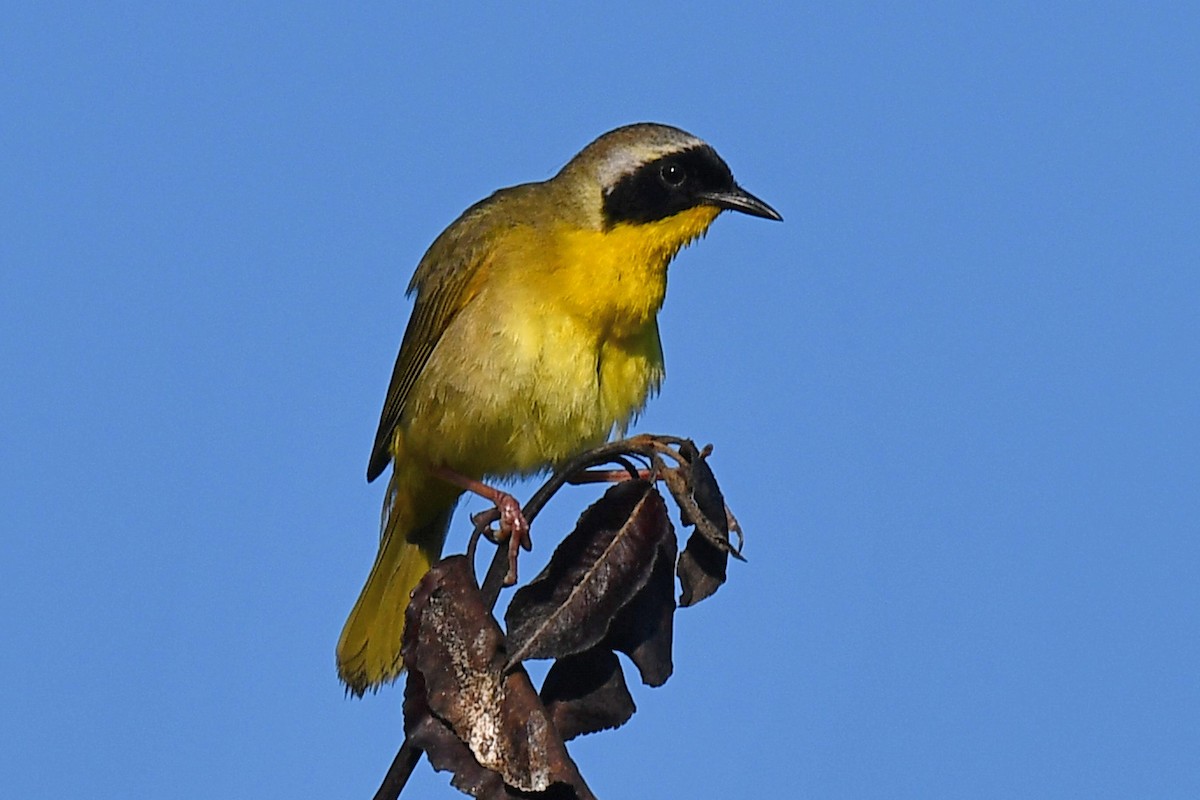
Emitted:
pixel 534 335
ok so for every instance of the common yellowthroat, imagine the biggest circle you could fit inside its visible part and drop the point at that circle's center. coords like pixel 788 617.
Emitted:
pixel 533 336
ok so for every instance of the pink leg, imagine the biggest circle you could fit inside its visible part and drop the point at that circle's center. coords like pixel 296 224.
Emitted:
pixel 513 526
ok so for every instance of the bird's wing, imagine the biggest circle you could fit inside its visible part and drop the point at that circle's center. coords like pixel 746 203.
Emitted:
pixel 445 281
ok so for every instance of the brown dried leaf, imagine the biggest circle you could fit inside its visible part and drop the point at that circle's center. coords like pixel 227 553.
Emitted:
pixel 643 629
pixel 455 654
pixel 586 693
pixel 595 572
pixel 705 490
pixel 703 564
pixel 701 570
pixel 445 750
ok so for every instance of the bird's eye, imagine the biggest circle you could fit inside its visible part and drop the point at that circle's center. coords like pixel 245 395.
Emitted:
pixel 673 174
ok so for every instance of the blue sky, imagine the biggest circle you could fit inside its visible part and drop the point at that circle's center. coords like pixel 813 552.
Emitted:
pixel 953 397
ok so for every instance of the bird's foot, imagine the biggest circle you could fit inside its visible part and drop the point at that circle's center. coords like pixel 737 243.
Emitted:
pixel 514 529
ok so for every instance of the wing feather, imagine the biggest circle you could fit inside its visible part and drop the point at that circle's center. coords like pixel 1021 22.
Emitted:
pixel 444 283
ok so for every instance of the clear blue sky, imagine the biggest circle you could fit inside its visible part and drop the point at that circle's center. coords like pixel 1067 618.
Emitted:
pixel 955 397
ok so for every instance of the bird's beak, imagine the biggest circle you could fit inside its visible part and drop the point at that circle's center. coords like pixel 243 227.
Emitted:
pixel 738 199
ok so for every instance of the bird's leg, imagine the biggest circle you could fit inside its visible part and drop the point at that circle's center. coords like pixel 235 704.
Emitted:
pixel 513 526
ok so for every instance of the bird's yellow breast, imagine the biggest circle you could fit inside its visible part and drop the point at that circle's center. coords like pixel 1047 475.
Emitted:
pixel 558 346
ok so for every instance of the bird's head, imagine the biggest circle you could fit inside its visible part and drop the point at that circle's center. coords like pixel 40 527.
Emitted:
pixel 645 173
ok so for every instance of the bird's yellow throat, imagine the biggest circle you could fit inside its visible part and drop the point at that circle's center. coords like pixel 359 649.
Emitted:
pixel 618 277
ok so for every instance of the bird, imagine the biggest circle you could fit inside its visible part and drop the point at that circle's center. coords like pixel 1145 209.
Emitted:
pixel 533 336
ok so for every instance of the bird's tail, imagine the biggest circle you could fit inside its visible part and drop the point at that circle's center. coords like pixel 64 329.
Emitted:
pixel 416 515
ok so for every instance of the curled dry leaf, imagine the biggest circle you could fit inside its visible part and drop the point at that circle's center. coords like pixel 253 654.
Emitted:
pixel 703 563
pixel 593 574
pixel 644 628
pixel 445 750
pixel 586 693
pixel 455 654
pixel 701 570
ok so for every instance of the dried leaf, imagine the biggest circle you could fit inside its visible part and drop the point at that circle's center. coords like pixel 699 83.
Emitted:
pixel 643 629
pixel 445 750
pixel 703 563
pixel 701 570
pixel 455 654
pixel 596 571
pixel 705 490
pixel 586 693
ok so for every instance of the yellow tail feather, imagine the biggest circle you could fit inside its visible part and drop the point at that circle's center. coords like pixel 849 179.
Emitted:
pixel 416 515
